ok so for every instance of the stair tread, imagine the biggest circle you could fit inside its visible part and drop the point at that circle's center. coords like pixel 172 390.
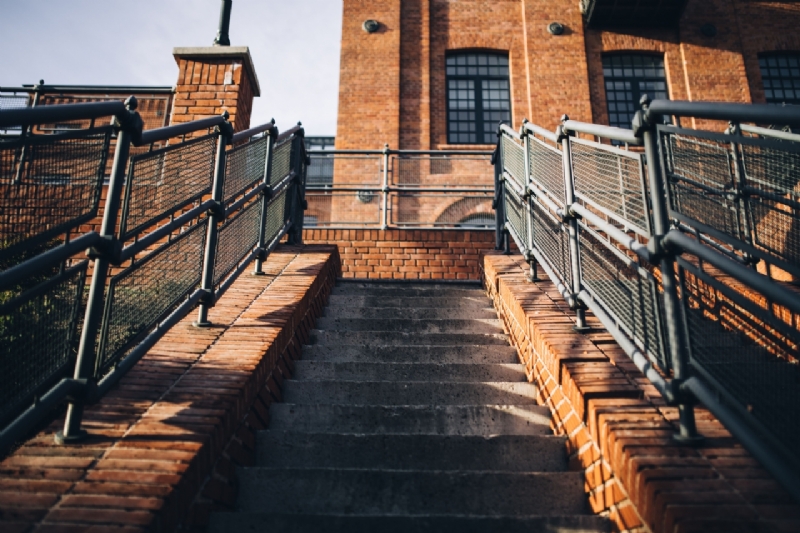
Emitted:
pixel 371 371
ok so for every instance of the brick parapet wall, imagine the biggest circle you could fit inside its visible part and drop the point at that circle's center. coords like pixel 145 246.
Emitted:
pixel 620 430
pixel 165 441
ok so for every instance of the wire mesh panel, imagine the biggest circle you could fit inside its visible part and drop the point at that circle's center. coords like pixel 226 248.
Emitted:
pixel 441 210
pixel 38 336
pixel 49 186
pixel 772 179
pixel 13 101
pixel 452 170
pixel 144 293
pixel 515 217
pixel 550 237
pixel 161 182
pixel 320 171
pixel 344 208
pixel 611 180
pixel 627 291
pixel 281 161
pixel 701 180
pixel 547 169
pixel 728 347
pixel 244 166
pixel 236 239
pixel 514 160
pixel 277 216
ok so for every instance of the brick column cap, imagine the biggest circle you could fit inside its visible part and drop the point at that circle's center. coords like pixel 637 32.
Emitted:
pixel 221 52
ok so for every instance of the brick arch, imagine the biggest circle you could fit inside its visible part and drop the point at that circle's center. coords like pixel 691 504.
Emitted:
pixel 462 210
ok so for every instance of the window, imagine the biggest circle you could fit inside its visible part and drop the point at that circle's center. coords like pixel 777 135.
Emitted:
pixel 478 97
pixel 627 78
pixel 781 76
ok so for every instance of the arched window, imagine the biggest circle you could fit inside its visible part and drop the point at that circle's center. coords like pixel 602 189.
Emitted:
pixel 478 96
pixel 627 77
pixel 780 73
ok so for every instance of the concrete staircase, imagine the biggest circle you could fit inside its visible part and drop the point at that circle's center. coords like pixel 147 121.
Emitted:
pixel 409 413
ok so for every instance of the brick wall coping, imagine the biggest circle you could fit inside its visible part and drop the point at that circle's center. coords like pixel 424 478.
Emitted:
pixel 221 52
pixel 165 441
pixel 620 430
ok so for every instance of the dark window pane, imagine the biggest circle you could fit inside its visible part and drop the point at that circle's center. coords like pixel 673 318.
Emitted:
pixel 780 81
pixel 627 78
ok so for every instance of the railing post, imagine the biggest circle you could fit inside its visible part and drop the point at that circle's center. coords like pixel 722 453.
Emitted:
pixel 676 335
pixel 740 196
pixel 104 256
pixel 528 198
pixel 215 217
pixel 572 228
pixel 298 199
pixel 385 189
pixel 499 193
pixel 258 270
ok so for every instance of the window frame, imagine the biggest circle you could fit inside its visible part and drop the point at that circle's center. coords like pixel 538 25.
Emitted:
pixel 636 91
pixel 780 54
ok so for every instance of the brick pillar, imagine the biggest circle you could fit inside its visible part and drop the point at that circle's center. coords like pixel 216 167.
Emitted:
pixel 214 79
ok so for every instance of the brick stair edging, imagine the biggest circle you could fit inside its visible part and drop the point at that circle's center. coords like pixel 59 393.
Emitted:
pixel 163 440
pixel 620 430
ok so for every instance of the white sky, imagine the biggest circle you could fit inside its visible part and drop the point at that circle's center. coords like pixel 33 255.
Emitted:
pixel 295 47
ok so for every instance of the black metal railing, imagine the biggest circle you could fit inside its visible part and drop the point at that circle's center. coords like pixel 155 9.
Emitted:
pixel 183 217
pixel 400 189
pixel 685 244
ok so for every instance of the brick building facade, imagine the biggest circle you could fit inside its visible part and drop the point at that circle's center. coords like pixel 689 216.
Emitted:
pixel 395 86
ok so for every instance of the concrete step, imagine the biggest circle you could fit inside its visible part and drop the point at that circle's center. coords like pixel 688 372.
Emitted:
pixel 408 393
pixel 351 371
pixel 417 313
pixel 526 419
pixel 478 301
pixel 415 354
pixel 408 291
pixel 500 453
pixel 370 339
pixel 403 493
pixel 450 325
pixel 327 523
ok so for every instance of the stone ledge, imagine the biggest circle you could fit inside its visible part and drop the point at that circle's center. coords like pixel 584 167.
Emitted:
pixel 620 430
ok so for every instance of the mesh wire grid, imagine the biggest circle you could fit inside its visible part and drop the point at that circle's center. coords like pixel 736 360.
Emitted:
pixel 515 215
pixel 320 171
pixel 281 161
pixel 550 237
pixel 144 293
pixel 161 182
pixel 57 188
pixel 463 171
pixel 352 170
pixel 38 336
pixel 13 101
pixel 514 160
pixel 775 222
pixel 611 181
pixel 628 292
pixel 442 210
pixel 277 214
pixel 348 209
pixel 244 166
pixel 765 386
pixel 547 169
pixel 236 239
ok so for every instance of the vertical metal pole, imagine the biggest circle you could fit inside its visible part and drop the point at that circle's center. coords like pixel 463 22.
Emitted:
pixel 222 38
pixel 297 200
pixel 676 336
pixel 258 270
pixel 86 363
pixel 26 131
pixel 385 188
pixel 744 218
pixel 215 217
pixel 528 198
pixel 572 228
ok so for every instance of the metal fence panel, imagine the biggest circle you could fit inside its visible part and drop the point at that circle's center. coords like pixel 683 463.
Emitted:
pixel 56 188
pixel 515 217
pixel 550 237
pixel 144 293
pixel 161 182
pixel 342 208
pixel 237 237
pixel 38 335
pixel 244 167
pixel 612 181
pixel 547 169
pixel 277 216
pixel 514 160
pixel 320 171
pixel 425 170
pixel 281 161
pixel 441 210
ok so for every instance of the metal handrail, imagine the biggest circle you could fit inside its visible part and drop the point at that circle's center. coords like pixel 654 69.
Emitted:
pixel 39 115
pixel 246 134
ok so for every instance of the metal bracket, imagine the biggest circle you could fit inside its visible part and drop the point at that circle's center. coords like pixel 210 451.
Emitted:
pixel 109 247
pixel 268 193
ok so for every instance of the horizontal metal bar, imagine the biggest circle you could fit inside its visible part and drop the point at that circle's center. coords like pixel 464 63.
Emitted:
pixel 152 238
pixel 606 132
pixel 288 133
pixel 91 89
pixel 505 128
pixel 763 113
pixel 443 153
pixel 543 198
pixel 246 134
pixel 562 289
pixel 764 285
pixel 244 199
pixel 33 415
pixel 538 130
pixel 766 132
pixel 58 113
pixel 779 198
pixel 143 347
pixel 641 360
pixel 19 272
pixel 169 132
pixel 377 188
pixel 750 439
pixel 615 233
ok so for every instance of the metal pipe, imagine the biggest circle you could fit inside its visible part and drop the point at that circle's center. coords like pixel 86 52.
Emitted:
pixel 528 213
pixel 606 132
pixel 262 227
pixel 758 113
pixel 400 152
pixel 92 89
pixel 538 130
pixel 766 132
pixel 376 188
pixel 223 39
pixel 60 113
pixel 235 206
pixel 506 128
pixel 616 234
pixel 385 188
pixel 246 134
pixel 169 132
